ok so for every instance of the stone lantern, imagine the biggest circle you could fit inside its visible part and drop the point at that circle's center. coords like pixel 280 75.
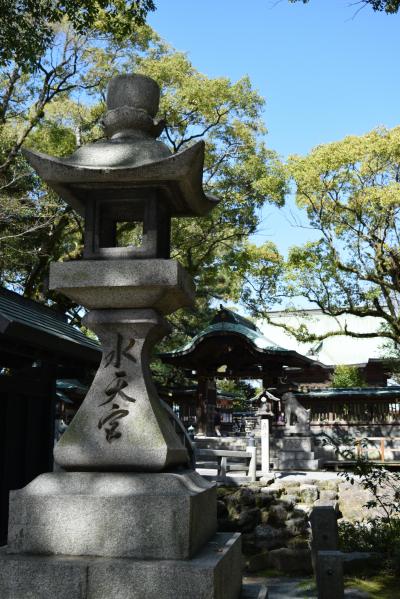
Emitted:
pixel 124 517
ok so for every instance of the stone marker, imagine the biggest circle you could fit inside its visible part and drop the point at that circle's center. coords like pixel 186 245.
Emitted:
pixel 326 559
pixel 125 517
pixel 330 583
pixel 325 535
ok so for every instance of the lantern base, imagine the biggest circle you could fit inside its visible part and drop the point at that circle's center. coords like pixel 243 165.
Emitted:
pixel 143 516
pixel 215 573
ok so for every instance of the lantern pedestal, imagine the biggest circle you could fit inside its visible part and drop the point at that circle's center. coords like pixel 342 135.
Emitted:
pixel 215 573
pixel 137 515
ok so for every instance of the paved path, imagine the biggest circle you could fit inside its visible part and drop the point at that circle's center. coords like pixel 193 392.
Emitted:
pixel 296 588
pixel 286 588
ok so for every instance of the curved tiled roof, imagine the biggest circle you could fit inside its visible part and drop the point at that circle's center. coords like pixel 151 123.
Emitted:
pixel 23 315
pixel 228 322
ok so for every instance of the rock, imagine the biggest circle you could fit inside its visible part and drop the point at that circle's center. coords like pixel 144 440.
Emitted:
pixel 297 526
pixel 299 543
pixel 242 497
pixel 279 487
pixel 248 519
pixel 270 494
pixel 352 499
pixel 308 493
pixel 264 500
pixel 269 537
pixel 249 544
pixel 328 485
pixel 267 479
pixel 301 509
pixel 222 511
pixel 291 561
pixel 223 492
pixel 287 501
pixel 291 484
pixel 277 515
pixel 257 562
pixel 327 495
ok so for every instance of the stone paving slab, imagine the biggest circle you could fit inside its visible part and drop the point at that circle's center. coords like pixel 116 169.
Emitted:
pixel 290 588
pixel 253 590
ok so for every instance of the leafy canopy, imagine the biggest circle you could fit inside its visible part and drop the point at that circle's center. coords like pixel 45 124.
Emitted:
pixel 57 107
pixel 350 193
pixel 387 6
pixel 347 376
pixel 27 27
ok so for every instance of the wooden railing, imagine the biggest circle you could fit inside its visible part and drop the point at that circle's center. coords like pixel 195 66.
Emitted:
pixel 353 411
pixel 362 446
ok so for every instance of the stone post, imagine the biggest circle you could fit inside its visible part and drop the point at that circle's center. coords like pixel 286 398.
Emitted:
pixel 326 559
pixel 330 584
pixel 265 458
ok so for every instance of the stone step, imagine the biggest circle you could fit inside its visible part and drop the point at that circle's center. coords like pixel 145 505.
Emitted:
pixel 230 443
pixel 297 464
pixel 295 444
pixel 296 455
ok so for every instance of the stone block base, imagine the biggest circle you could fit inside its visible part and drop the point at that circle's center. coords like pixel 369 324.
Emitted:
pixel 215 573
pixel 293 464
pixel 134 515
pixel 296 453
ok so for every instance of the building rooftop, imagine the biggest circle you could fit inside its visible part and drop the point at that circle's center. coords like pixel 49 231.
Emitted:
pixel 37 325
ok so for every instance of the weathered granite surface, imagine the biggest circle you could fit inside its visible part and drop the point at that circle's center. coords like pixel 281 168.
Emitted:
pixel 121 425
pixel 215 573
pixel 138 515
pixel 163 285
pixel 130 158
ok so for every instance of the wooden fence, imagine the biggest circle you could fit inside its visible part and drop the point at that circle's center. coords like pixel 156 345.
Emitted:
pixel 353 411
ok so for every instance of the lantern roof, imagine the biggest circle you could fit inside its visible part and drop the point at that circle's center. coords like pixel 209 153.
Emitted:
pixel 130 159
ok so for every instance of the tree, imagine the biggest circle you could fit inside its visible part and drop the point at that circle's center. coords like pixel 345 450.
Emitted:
pixel 347 376
pixel 28 27
pixel 239 168
pixel 350 191
pixel 387 6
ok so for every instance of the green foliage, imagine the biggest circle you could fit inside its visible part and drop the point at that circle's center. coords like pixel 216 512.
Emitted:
pixel 241 391
pixel 347 376
pixel 387 6
pixel 27 27
pixel 381 532
pixel 374 535
pixel 58 108
pixel 383 586
pixel 350 193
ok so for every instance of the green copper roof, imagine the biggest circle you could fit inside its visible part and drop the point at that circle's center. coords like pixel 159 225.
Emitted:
pixel 21 315
pixel 226 315
pixel 254 336
pixel 352 392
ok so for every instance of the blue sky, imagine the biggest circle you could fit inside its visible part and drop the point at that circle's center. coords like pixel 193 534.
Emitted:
pixel 325 71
